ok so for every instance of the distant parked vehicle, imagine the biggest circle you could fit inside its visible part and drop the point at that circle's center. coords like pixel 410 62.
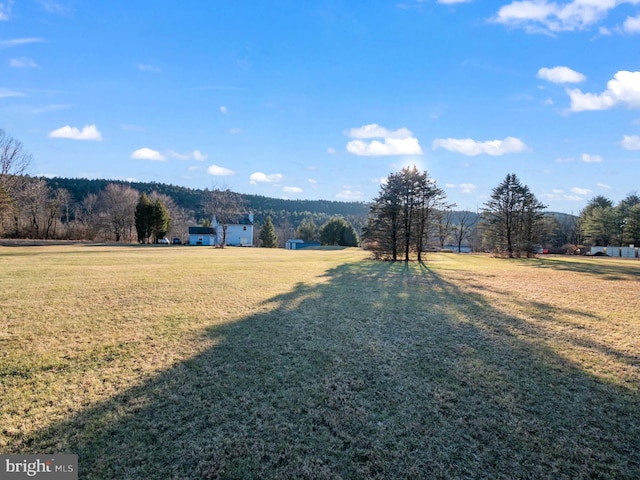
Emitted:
pixel 164 241
pixel 177 241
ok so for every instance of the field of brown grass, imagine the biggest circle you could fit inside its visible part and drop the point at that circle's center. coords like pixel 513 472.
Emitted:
pixel 193 362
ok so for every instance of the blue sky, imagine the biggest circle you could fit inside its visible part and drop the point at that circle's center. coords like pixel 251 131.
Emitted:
pixel 323 99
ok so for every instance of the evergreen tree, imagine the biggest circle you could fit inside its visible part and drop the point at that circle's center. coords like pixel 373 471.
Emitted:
pixel 385 218
pixel 161 222
pixel 402 214
pixel 144 218
pixel 628 219
pixel 307 230
pixel 337 231
pixel 598 221
pixel 268 234
pixel 512 218
pixel 350 237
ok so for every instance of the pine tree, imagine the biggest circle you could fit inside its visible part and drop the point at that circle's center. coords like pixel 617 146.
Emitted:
pixel 307 230
pixel 337 231
pixel 402 214
pixel 512 218
pixel 161 222
pixel 144 218
pixel 268 234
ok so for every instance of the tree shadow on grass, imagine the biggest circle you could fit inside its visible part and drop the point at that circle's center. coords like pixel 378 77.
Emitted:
pixel 603 267
pixel 383 371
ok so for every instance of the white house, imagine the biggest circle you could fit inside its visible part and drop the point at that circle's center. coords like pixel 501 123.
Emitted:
pixel 238 234
pixel 202 236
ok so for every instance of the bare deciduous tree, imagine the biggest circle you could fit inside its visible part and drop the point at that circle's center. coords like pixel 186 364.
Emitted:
pixel 32 205
pixel 463 229
pixel 225 205
pixel 14 163
pixel 117 205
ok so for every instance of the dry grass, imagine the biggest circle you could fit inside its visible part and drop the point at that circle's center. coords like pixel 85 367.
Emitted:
pixel 248 363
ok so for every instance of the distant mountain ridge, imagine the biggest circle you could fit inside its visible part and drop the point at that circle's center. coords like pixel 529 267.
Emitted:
pixel 191 199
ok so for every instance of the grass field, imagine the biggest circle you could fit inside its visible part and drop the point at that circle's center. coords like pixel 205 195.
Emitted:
pixel 185 362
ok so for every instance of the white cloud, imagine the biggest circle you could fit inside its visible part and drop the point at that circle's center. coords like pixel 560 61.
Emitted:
pixel 5 10
pixel 56 8
pixel 525 13
pixel 235 131
pixel 218 171
pixel 380 180
pixel 179 156
pixel 331 151
pixel 224 109
pixel 559 194
pixel 603 185
pixel 581 191
pixel 464 187
pixel 22 63
pixel 468 146
pixel 15 42
pixel 586 158
pixel 390 146
pixel 259 177
pixel 467 187
pixel 604 31
pixel 374 130
pixel 148 68
pixel 561 75
pixel 5 93
pixel 451 2
pixel 349 195
pixel 544 16
pixel 88 132
pixel 631 142
pixel 195 155
pixel 564 196
pixel 312 181
pixel 622 90
pixel 631 25
pixel 199 156
pixel 292 190
pixel 397 142
pixel 148 154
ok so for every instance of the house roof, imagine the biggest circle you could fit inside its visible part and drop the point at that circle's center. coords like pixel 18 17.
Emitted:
pixel 246 220
pixel 202 231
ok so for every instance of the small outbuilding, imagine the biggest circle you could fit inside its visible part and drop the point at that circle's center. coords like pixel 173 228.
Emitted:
pixel 297 244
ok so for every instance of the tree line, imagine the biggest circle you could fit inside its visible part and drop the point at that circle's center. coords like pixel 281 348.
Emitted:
pixel 409 215
pixel 603 223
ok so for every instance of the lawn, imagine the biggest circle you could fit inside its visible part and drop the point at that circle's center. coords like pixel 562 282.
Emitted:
pixel 194 362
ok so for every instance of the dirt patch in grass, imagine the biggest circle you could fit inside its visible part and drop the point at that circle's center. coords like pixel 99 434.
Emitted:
pixel 201 363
